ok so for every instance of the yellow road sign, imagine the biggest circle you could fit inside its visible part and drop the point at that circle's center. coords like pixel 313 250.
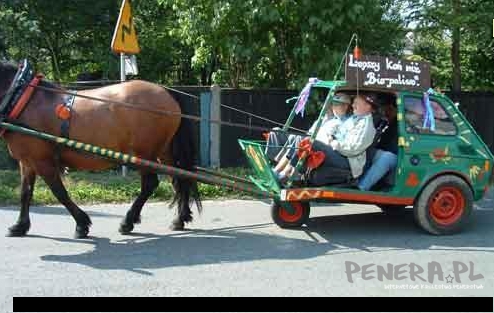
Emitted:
pixel 125 35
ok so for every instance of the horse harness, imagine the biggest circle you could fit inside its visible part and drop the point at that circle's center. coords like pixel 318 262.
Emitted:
pixel 64 112
pixel 19 93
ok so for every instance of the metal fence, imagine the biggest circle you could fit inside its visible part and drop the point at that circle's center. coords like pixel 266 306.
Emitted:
pixel 478 108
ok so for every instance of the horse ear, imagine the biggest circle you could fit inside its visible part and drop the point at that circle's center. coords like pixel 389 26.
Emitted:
pixel 24 63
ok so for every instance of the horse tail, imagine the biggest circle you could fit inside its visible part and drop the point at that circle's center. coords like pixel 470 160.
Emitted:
pixel 185 157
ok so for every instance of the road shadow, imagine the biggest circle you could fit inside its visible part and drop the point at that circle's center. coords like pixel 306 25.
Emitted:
pixel 143 251
pixel 337 234
pixel 378 231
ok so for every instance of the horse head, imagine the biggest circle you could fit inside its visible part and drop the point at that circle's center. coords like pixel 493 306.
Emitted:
pixel 16 80
pixel 8 71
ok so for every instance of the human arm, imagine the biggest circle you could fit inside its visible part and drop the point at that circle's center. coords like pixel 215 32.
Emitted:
pixel 358 139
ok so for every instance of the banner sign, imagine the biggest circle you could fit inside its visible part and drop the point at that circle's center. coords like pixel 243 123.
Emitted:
pixel 387 72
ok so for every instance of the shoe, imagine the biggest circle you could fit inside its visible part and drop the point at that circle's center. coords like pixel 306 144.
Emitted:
pixel 296 178
pixel 282 177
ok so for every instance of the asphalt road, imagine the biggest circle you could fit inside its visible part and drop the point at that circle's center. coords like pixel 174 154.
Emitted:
pixel 234 249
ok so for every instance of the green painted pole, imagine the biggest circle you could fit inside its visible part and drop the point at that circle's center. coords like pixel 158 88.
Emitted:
pixel 130 159
pixel 292 115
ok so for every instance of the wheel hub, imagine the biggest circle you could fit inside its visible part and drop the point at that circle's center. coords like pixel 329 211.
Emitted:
pixel 447 206
pixel 290 218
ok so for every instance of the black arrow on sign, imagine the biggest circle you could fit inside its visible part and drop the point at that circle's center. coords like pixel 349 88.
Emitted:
pixel 127 29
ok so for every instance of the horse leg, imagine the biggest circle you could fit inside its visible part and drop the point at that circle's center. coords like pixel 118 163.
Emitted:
pixel 184 156
pixel 149 183
pixel 51 176
pixel 182 187
pixel 28 178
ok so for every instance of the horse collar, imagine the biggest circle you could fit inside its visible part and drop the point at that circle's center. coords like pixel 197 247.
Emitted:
pixel 18 96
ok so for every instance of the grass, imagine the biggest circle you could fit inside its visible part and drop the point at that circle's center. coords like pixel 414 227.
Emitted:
pixel 107 187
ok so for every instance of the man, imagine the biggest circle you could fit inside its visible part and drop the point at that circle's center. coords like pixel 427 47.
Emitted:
pixel 386 156
pixel 336 114
pixel 347 151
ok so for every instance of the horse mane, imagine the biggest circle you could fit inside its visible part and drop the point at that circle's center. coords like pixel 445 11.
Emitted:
pixel 8 69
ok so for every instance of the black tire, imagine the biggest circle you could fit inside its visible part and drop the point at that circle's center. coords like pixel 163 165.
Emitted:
pixel 444 206
pixel 392 210
pixel 286 220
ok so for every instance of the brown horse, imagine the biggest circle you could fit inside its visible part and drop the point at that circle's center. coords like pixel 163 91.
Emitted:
pixel 165 138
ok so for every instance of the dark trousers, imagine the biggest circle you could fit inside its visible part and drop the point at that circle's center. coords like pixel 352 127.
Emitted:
pixel 335 169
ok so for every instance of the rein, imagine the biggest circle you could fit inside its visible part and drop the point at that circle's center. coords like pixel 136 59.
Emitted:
pixel 161 112
pixel 67 85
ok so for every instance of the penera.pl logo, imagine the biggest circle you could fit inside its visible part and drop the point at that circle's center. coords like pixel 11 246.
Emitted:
pixel 447 275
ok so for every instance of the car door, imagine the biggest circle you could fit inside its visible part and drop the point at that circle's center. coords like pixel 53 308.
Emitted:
pixel 428 143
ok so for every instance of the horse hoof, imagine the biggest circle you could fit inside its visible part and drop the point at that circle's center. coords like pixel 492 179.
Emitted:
pixel 81 232
pixel 177 225
pixel 19 230
pixel 126 229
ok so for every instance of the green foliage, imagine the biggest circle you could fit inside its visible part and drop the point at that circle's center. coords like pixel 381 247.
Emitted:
pixel 280 44
pixel 246 43
pixel 434 39
pixel 236 43
pixel 62 40
pixel 106 187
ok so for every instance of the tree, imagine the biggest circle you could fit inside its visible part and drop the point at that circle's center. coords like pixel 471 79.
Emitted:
pixel 270 43
pixel 64 35
pixel 465 27
pixel 237 43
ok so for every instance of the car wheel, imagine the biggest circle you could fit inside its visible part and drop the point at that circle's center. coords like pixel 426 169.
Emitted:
pixel 444 206
pixel 283 218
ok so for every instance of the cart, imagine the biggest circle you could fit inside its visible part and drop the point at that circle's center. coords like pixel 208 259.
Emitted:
pixel 440 172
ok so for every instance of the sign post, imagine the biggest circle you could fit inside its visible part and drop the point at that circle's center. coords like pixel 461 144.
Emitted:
pixel 125 41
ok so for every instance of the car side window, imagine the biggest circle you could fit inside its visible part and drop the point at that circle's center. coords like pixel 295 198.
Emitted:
pixel 415 118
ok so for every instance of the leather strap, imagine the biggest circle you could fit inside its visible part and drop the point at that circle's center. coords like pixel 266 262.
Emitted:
pixel 23 100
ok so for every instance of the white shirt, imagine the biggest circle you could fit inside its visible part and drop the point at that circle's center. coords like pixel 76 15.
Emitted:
pixel 329 127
